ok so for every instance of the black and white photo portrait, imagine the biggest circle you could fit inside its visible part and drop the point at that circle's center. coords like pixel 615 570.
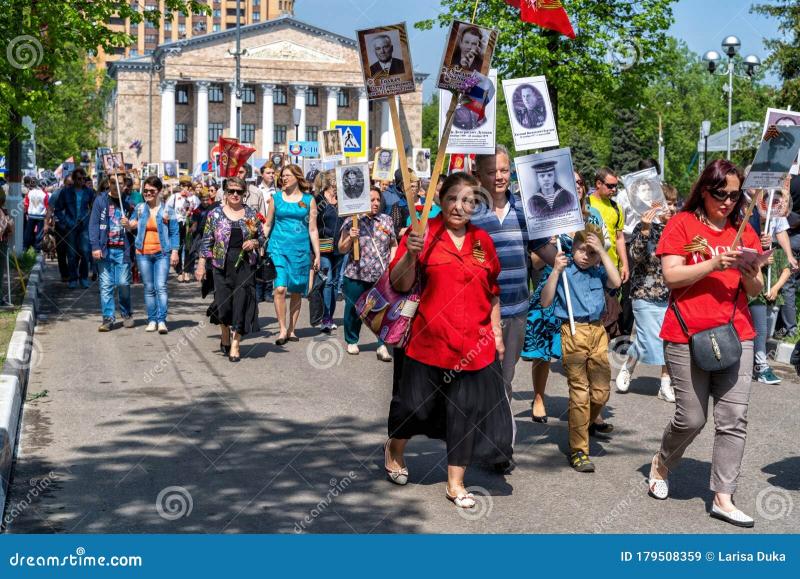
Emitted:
pixel 422 162
pixel 469 49
pixel 384 165
pixel 331 145
pixel 386 61
pixel 530 111
pixel 547 187
pixel 352 188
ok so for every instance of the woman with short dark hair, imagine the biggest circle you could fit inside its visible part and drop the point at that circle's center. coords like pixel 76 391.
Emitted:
pixel 710 284
pixel 232 237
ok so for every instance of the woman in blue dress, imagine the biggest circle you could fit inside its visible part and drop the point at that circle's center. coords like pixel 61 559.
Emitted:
pixel 543 331
pixel 292 230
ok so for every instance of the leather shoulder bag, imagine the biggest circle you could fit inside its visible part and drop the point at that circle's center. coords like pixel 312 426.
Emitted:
pixel 717 348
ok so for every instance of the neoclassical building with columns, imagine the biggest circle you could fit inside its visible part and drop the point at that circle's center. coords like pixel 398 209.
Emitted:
pixel 180 98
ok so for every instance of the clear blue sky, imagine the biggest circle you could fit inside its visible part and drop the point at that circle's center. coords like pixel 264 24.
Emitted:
pixel 702 24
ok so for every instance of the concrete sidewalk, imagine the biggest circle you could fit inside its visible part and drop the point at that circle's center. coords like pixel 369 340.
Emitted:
pixel 147 433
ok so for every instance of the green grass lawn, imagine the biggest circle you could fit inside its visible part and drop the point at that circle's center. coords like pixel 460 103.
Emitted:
pixel 8 317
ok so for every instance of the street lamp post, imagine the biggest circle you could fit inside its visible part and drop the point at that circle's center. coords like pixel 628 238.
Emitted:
pixel 730 46
pixel 705 131
pixel 297 114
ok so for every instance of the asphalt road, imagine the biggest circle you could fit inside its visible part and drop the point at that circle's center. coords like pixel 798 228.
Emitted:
pixel 145 433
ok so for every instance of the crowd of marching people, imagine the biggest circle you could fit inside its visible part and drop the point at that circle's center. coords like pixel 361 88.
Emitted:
pixel 487 294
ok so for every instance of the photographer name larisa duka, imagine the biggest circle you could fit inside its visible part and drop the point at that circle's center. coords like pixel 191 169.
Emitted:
pixel 739 556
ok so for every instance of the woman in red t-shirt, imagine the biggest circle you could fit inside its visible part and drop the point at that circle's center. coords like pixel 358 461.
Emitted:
pixel 706 277
pixel 451 384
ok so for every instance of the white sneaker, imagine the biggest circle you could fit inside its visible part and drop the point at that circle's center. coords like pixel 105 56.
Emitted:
pixel 734 517
pixel 151 327
pixel 383 354
pixel 623 380
pixel 352 349
pixel 666 392
pixel 162 328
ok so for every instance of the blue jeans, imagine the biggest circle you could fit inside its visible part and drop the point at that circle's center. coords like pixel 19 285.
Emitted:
pixel 34 231
pixel 78 253
pixel 330 265
pixel 789 309
pixel 154 270
pixel 764 318
pixel 114 272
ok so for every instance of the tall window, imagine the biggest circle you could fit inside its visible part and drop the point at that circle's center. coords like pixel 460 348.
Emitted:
pixel 215 28
pixel 248 95
pixel 215 94
pixel 312 97
pixel 180 133
pixel 312 132
pixel 279 96
pixel 150 38
pixel 214 132
pixel 182 95
pixel 280 134
pixel 343 100
pixel 248 133
pixel 256 16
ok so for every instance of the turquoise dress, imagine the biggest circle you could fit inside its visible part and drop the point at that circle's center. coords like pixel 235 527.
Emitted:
pixel 289 244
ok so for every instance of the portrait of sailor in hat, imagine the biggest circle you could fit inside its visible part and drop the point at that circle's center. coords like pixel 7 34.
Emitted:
pixel 550 197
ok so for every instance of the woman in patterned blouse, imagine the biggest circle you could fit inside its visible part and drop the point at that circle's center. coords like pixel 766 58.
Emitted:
pixel 377 244
pixel 649 294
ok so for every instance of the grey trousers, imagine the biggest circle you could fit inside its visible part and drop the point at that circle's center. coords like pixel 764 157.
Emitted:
pixel 730 390
pixel 514 341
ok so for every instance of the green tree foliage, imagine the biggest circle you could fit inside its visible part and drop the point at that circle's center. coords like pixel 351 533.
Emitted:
pixel 785 57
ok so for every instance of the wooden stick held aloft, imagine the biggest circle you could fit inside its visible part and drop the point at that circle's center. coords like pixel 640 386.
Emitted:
pixel 437 168
pixel 401 152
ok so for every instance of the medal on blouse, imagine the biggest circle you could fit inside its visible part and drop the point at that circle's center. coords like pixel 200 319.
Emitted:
pixel 699 245
pixel 477 251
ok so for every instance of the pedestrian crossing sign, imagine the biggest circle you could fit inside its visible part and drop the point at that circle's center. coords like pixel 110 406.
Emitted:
pixel 354 134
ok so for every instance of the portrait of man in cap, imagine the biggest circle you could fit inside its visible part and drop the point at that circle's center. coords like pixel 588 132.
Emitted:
pixel 550 197
pixel 529 108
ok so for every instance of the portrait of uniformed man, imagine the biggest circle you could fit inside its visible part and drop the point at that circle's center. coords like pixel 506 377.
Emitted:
pixel 387 64
pixel 384 161
pixel 550 196
pixel 529 107
pixel 353 183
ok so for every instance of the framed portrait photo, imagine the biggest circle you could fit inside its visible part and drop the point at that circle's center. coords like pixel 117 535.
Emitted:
pixel 530 111
pixel 113 163
pixel 386 61
pixel 421 162
pixel 384 165
pixel 352 188
pixel 474 120
pixel 469 49
pixel 330 145
pixel 549 198
pixel 312 168
pixel 170 169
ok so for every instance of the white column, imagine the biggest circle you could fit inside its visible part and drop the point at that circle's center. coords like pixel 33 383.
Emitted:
pixel 363 115
pixel 232 119
pixel 201 126
pixel 267 119
pixel 333 105
pixel 300 103
pixel 168 120
pixel 387 129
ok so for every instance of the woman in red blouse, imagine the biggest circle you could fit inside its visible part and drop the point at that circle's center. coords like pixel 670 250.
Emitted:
pixel 451 385
pixel 707 280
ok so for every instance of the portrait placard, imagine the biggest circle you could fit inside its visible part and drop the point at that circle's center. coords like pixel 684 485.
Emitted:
pixel 533 124
pixel 113 163
pixel 352 188
pixel 170 169
pixel 386 61
pixel 421 162
pixel 644 190
pixel 468 50
pixel 473 129
pixel 384 165
pixel 549 198
pixel 278 159
pixel 311 167
pixel 153 170
pixel 775 156
pixel 331 145
pixel 783 118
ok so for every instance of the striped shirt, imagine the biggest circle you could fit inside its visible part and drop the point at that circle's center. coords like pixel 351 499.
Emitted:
pixel 511 242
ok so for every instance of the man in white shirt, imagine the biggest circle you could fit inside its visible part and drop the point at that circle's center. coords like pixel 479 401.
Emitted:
pixel 36 202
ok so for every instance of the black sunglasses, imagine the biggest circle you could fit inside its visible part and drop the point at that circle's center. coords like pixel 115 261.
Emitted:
pixel 235 192
pixel 150 190
pixel 722 196
pixel 579 182
pixel 610 185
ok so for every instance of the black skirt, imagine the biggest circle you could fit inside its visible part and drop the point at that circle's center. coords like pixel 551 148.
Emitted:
pixel 468 410
pixel 235 295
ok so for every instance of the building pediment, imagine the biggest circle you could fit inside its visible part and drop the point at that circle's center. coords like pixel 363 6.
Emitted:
pixel 288 51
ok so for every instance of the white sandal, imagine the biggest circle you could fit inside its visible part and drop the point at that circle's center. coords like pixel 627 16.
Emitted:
pixel 657 488
pixel 463 501
pixel 398 477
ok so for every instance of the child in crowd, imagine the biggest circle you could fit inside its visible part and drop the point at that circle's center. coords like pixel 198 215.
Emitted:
pixel 585 354
pixel 764 307
pixel 650 295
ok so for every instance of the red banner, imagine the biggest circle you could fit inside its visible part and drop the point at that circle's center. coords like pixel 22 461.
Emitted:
pixel 232 156
pixel 548 14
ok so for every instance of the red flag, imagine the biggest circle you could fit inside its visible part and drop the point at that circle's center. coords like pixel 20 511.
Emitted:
pixel 545 13
pixel 232 156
